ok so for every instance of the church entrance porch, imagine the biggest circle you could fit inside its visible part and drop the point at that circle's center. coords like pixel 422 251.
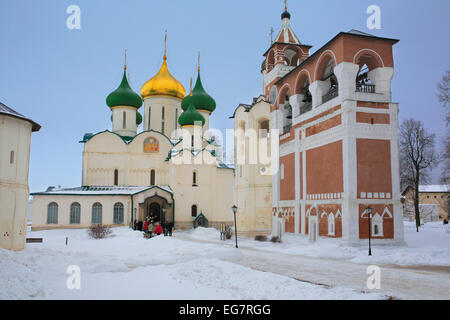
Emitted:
pixel 155 204
pixel 157 210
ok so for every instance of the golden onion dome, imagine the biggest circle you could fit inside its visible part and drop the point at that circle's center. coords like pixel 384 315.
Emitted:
pixel 163 84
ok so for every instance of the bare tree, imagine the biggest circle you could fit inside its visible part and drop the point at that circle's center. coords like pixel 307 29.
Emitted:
pixel 444 92
pixel 444 97
pixel 417 157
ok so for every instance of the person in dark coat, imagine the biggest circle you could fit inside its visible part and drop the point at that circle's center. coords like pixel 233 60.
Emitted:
pixel 169 228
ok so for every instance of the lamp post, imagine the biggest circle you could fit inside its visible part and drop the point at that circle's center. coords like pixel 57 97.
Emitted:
pixel 234 208
pixel 369 213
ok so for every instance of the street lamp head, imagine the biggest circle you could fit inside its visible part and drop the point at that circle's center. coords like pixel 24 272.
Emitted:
pixel 369 211
pixel 234 208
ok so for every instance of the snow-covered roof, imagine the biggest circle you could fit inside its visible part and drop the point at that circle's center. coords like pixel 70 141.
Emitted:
pixel 434 188
pixel 100 190
pixel 10 112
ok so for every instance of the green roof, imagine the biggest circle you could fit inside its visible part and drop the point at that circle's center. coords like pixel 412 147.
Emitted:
pixel 138 118
pixel 190 116
pixel 201 99
pixel 124 95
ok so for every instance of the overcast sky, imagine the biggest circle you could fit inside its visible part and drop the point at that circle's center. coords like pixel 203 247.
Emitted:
pixel 60 78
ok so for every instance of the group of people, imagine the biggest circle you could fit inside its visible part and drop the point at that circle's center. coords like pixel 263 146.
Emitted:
pixel 151 228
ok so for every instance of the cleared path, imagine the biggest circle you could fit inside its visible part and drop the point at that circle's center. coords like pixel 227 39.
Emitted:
pixel 415 282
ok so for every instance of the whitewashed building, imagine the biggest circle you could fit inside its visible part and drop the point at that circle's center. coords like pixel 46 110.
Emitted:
pixel 15 142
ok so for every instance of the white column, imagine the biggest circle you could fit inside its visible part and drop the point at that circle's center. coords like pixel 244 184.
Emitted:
pixel 296 101
pixel 350 210
pixel 381 78
pixel 303 150
pixel 297 182
pixel 346 73
pixel 318 89
pixel 395 172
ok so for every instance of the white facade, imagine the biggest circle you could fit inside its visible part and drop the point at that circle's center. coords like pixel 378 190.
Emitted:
pixel 15 140
pixel 253 182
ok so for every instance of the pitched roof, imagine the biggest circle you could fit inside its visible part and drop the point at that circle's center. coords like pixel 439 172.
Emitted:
pixel 434 188
pixel 248 107
pixel 10 112
pixel 100 190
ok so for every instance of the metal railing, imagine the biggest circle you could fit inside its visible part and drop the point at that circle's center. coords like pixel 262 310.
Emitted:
pixel 307 106
pixel 365 88
pixel 333 93
pixel 287 128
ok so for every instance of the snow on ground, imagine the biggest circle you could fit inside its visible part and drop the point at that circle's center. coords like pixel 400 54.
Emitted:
pixel 127 266
pixel 429 246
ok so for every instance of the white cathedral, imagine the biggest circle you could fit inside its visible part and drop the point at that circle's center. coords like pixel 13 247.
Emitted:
pixel 171 172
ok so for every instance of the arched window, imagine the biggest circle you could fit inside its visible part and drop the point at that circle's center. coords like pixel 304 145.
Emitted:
pixel 118 213
pixel 52 213
pixel 149 118
pixel 11 157
pixel 194 179
pixel 329 77
pixel 194 211
pixel 331 225
pixel 286 108
pixel 291 58
pixel 75 213
pixel 97 213
pixel 307 98
pixel 116 177
pixel 152 177
pixel 282 171
pixel 270 60
pixel 124 122
pixel 176 119
pixel 162 119
pixel 377 225
pixel 263 128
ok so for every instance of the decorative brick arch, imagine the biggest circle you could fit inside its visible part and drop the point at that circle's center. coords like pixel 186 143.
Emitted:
pixel 297 55
pixel 282 92
pixel 300 80
pixel 369 57
pixel 322 62
pixel 310 210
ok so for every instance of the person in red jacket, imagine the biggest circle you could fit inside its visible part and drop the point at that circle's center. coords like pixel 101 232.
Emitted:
pixel 146 226
pixel 158 229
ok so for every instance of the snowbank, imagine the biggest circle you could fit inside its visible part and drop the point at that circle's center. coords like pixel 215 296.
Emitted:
pixel 127 266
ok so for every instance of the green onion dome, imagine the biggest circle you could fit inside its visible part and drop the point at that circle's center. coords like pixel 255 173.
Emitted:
pixel 124 95
pixel 138 118
pixel 190 116
pixel 202 100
